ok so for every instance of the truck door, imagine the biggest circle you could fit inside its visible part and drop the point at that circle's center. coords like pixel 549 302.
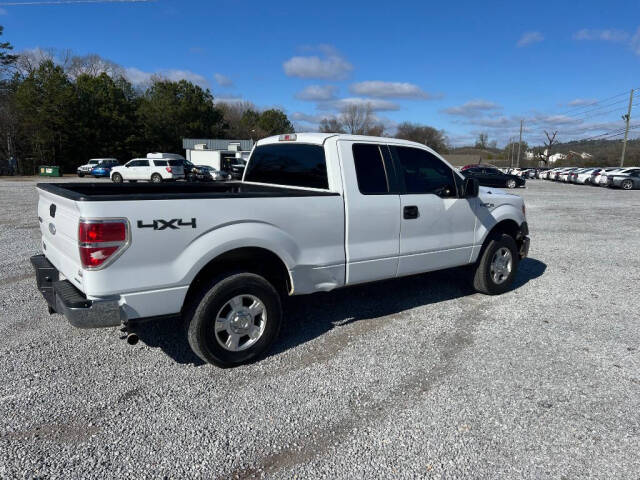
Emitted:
pixel 437 229
pixel 372 206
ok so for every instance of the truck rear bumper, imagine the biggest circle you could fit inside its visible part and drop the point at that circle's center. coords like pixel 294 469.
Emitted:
pixel 62 297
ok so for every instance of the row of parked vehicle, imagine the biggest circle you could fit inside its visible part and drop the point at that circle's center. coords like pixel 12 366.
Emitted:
pixel 156 168
pixel 615 177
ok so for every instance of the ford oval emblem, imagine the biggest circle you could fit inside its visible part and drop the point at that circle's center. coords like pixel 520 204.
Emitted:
pixel 52 228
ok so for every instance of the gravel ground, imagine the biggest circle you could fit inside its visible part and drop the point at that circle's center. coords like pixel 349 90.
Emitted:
pixel 414 378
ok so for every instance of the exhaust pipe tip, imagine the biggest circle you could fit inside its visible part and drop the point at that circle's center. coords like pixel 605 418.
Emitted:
pixel 132 339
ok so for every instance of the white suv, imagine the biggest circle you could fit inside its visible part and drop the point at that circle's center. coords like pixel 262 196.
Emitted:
pixel 156 170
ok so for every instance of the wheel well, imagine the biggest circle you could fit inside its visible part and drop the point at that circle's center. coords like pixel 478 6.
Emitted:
pixel 510 227
pixel 248 259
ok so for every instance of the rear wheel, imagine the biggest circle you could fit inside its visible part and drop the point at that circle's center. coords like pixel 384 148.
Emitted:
pixel 80 174
pixel 156 178
pixel 497 267
pixel 626 184
pixel 511 183
pixel 116 177
pixel 234 319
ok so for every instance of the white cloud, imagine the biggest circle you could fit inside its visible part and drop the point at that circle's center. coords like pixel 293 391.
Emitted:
pixel 529 38
pixel 580 102
pixel 635 42
pixel 616 36
pixel 376 105
pixel 223 80
pixel 318 93
pixel 330 66
pixel 309 118
pixel 472 108
pixel 137 76
pixel 388 90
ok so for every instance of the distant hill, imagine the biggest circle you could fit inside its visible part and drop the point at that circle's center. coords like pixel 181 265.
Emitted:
pixel 605 152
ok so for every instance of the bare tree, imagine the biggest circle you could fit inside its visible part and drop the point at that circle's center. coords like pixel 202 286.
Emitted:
pixel 92 65
pixel 430 136
pixel 482 141
pixel 548 144
pixel 357 118
pixel 331 125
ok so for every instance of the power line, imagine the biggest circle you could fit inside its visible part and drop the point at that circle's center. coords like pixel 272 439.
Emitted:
pixel 597 102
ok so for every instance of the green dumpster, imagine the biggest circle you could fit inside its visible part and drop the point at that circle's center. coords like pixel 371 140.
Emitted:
pixel 50 171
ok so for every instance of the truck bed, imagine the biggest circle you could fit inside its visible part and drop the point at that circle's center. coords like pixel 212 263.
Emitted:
pixel 102 191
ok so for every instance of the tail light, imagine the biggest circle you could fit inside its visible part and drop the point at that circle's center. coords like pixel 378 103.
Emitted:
pixel 169 169
pixel 101 241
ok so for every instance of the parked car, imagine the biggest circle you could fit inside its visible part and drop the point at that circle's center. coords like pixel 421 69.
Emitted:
pixel 627 180
pixel 237 168
pixel 87 167
pixel 223 256
pixel 480 165
pixel 104 167
pixel 584 176
pixel 204 173
pixel 156 170
pixel 492 177
pixel 602 180
pixel 595 176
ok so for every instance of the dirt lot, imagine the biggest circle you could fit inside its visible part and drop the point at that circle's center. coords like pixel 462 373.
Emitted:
pixel 413 378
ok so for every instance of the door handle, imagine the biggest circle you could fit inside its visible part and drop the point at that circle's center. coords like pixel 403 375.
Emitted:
pixel 410 212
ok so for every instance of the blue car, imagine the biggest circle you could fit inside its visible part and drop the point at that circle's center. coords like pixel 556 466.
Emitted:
pixel 103 169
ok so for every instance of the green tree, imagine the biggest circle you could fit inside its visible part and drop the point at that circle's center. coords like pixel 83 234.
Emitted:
pixel 274 122
pixel 170 111
pixel 107 109
pixel 46 103
pixel 6 58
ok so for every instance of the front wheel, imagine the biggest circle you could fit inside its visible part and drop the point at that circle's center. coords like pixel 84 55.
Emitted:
pixel 234 319
pixel 511 183
pixel 80 174
pixel 116 177
pixel 156 178
pixel 497 267
pixel 627 185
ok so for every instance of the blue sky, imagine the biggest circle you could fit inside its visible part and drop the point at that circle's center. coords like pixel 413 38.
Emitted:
pixel 463 66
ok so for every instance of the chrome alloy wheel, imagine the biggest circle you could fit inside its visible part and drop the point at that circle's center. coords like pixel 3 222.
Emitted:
pixel 240 323
pixel 501 265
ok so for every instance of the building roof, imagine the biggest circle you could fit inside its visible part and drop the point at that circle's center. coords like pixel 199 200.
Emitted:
pixel 215 143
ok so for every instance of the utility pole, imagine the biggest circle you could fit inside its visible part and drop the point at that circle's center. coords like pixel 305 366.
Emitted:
pixel 519 145
pixel 627 119
pixel 510 152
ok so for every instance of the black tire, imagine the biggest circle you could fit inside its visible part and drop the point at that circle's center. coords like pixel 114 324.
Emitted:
pixel 627 185
pixel 116 178
pixel 483 280
pixel 212 298
pixel 511 183
pixel 156 178
pixel 80 174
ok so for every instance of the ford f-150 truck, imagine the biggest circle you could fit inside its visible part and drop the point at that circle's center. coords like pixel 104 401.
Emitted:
pixel 313 212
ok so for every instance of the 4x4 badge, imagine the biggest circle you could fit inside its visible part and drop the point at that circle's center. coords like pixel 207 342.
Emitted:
pixel 173 224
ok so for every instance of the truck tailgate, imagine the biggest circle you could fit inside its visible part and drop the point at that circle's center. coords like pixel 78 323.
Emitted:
pixel 58 217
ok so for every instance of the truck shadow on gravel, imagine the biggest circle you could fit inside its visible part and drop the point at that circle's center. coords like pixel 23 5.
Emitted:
pixel 311 316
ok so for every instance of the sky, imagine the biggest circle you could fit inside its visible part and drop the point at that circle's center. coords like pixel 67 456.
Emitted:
pixel 464 67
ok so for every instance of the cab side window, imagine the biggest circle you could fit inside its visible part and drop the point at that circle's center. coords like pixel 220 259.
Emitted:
pixel 423 172
pixel 370 169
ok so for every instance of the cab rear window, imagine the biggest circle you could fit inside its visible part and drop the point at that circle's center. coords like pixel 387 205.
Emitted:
pixel 296 165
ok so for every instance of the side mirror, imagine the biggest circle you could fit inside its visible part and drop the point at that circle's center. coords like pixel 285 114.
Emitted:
pixel 471 187
pixel 127 165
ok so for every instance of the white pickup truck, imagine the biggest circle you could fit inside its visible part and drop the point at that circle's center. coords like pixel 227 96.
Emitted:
pixel 314 212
